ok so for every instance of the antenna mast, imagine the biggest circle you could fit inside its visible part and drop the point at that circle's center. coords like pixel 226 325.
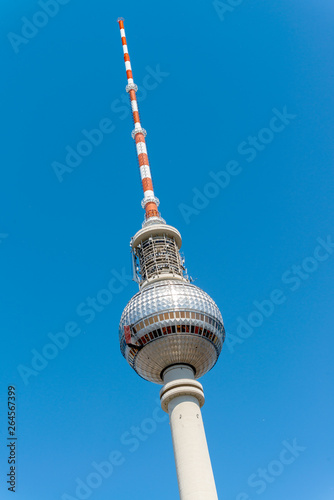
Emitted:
pixel 150 203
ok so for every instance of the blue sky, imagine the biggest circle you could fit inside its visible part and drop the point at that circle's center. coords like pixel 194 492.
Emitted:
pixel 238 106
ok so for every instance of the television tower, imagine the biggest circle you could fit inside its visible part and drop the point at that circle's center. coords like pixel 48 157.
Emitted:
pixel 171 332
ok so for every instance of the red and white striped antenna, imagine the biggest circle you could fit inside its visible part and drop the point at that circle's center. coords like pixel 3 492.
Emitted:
pixel 150 202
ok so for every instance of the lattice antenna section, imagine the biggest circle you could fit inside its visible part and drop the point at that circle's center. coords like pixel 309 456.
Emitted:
pixel 159 256
pixel 150 203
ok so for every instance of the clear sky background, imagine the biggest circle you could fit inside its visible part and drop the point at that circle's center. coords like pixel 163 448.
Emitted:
pixel 212 80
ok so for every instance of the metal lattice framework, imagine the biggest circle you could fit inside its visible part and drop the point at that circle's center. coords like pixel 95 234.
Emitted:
pixel 159 255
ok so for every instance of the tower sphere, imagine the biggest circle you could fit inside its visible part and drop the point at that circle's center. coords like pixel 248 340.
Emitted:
pixel 171 320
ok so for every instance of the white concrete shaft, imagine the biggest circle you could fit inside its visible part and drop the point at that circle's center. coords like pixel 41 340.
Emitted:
pixel 183 397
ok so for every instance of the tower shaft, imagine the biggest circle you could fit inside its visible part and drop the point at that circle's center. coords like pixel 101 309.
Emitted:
pixel 182 398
